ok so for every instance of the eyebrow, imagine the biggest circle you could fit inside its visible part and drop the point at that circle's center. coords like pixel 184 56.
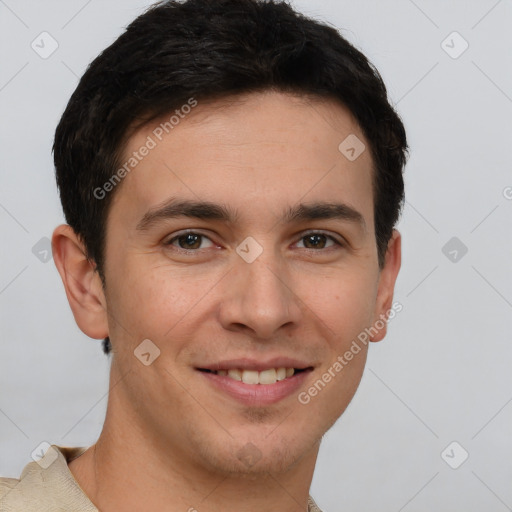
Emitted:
pixel 206 210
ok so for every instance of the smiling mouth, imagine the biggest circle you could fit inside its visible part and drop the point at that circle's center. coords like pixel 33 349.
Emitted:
pixel 269 376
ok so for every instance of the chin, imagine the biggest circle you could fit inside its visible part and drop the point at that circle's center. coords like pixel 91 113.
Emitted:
pixel 252 458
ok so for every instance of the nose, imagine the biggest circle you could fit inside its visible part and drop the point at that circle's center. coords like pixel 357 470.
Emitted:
pixel 259 298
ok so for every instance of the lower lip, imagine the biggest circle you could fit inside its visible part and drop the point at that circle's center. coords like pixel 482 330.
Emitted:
pixel 257 394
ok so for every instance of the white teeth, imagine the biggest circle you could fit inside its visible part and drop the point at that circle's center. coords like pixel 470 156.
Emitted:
pixel 270 376
pixel 250 377
pixel 281 373
pixel 235 374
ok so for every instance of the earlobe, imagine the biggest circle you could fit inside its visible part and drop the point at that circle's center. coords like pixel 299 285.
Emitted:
pixel 386 286
pixel 82 283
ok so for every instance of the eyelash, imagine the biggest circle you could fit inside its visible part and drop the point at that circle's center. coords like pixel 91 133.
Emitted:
pixel 304 235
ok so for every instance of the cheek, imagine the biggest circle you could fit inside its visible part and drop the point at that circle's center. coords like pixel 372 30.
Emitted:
pixel 152 301
pixel 345 301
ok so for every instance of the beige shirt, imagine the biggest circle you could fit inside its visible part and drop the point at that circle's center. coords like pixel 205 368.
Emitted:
pixel 49 486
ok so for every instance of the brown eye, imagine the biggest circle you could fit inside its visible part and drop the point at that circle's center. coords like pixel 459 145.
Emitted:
pixel 188 241
pixel 314 241
pixel 318 241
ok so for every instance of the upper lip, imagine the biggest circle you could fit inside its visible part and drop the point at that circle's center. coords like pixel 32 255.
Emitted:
pixel 253 364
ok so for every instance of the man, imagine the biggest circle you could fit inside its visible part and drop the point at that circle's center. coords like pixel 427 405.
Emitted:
pixel 231 173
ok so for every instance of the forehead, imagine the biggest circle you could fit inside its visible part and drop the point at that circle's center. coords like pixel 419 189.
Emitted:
pixel 262 150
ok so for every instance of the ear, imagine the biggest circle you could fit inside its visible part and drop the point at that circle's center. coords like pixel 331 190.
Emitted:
pixel 386 286
pixel 82 283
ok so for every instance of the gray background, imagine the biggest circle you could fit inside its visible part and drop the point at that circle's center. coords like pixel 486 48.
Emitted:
pixel 442 374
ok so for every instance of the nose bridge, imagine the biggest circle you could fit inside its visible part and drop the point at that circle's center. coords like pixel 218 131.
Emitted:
pixel 259 297
pixel 264 283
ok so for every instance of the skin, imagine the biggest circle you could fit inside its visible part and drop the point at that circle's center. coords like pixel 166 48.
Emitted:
pixel 170 440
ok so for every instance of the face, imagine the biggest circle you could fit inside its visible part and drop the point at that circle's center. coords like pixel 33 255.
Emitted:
pixel 257 276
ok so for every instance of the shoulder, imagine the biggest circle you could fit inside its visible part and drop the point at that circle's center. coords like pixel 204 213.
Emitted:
pixel 45 485
pixel 312 506
pixel 6 484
